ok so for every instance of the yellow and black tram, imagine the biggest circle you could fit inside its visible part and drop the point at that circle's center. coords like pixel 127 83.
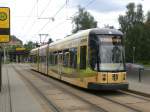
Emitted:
pixel 92 59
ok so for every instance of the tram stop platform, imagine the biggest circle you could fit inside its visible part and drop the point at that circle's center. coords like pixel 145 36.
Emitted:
pixel 17 97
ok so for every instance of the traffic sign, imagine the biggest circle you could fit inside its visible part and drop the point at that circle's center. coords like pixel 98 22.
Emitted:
pixel 4 24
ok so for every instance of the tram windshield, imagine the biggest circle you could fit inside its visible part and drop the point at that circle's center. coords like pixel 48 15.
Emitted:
pixel 106 53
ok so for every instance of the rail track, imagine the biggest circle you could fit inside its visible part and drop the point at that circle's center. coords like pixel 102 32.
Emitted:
pixel 99 101
pixel 49 102
pixel 138 93
pixel 52 105
pixel 10 105
pixel 104 97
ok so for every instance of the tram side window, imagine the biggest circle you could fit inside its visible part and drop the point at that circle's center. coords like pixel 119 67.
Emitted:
pixel 53 58
pixel 35 59
pixel 44 59
pixel 32 59
pixel 66 59
pixel 93 51
pixel 83 57
pixel 50 58
pixel 40 59
pixel 73 57
pixel 56 60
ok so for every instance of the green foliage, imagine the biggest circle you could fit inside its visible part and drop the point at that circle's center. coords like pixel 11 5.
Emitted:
pixel 50 40
pixel 14 38
pixel 15 42
pixel 148 17
pixel 136 33
pixel 30 45
pixel 83 20
pixel 132 17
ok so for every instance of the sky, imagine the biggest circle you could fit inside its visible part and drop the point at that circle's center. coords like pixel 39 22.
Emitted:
pixel 29 18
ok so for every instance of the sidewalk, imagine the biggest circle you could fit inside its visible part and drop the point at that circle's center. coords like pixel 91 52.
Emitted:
pixel 15 96
pixel 139 86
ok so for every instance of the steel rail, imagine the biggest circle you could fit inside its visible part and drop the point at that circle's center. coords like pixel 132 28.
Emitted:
pixel 100 109
pixel 50 103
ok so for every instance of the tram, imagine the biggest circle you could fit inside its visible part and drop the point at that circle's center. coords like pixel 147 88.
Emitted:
pixel 92 59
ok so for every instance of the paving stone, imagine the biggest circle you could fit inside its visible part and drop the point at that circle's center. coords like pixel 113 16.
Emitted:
pixel 19 98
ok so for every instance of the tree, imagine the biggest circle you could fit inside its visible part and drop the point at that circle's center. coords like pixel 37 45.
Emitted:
pixel 50 40
pixel 13 37
pixel 132 17
pixel 139 14
pixel 108 26
pixel 136 33
pixel 148 17
pixel 30 45
pixel 83 20
pixel 13 44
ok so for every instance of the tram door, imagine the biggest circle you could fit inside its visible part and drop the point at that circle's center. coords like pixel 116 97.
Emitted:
pixel 60 63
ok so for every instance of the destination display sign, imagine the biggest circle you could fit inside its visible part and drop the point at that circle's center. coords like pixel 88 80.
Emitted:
pixel 4 24
pixel 110 40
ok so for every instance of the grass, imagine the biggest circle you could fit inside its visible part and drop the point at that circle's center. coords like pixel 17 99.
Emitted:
pixel 146 65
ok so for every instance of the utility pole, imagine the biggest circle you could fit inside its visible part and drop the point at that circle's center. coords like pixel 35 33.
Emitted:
pixel 4 54
pixel 4 33
pixel 0 69
pixel 37 7
pixel 77 24
pixel 40 35
pixel 133 54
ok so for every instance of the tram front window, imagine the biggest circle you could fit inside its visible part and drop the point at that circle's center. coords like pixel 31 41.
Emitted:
pixel 107 53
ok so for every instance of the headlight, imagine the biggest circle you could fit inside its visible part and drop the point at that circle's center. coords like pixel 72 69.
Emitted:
pixel 104 77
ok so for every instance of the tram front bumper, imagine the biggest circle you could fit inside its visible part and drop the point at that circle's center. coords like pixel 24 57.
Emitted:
pixel 96 86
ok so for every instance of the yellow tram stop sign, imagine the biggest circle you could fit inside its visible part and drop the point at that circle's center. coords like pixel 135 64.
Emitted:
pixel 4 24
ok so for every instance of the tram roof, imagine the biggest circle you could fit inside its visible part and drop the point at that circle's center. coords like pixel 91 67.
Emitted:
pixel 42 47
pixel 106 31
pixel 34 50
pixel 82 33
pixel 102 31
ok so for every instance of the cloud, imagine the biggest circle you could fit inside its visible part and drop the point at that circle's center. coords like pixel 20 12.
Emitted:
pixel 106 6
pixel 104 11
pixel 101 6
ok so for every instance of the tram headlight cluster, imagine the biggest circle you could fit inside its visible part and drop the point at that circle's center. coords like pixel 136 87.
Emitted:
pixel 104 77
